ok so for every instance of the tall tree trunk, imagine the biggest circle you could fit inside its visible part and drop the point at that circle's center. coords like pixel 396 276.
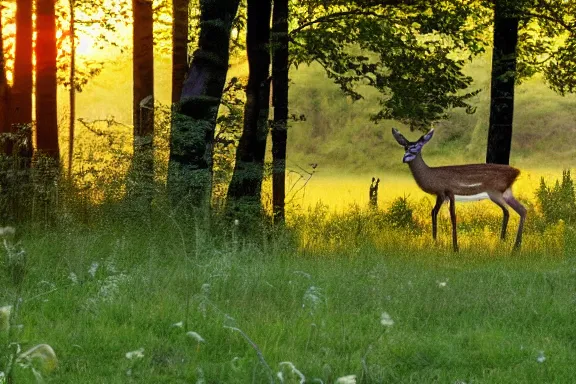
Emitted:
pixel 194 118
pixel 503 78
pixel 246 183
pixel 179 46
pixel 6 176
pixel 143 97
pixel 280 69
pixel 72 91
pixel 4 89
pixel 46 88
pixel 22 88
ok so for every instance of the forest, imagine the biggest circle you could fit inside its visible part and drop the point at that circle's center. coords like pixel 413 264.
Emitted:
pixel 237 191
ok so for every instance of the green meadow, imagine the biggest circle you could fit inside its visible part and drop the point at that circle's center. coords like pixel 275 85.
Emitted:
pixel 326 299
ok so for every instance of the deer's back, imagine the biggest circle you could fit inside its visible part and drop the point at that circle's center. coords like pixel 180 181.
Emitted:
pixel 474 178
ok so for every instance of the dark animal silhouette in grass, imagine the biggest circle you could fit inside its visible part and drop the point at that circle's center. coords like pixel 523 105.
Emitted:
pixel 463 182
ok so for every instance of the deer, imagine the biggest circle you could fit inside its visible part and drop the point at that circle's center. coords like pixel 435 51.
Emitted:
pixel 463 182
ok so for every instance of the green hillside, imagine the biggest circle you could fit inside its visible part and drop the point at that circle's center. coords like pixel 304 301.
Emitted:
pixel 337 133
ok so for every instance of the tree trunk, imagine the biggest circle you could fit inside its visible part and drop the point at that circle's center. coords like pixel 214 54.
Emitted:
pixel 72 91
pixel 4 89
pixel 46 100
pixel 503 78
pixel 246 183
pixel 194 118
pixel 280 69
pixel 143 98
pixel 179 46
pixel 21 116
pixel 7 202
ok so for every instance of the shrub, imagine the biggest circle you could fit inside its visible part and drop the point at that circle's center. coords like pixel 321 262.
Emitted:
pixel 558 202
pixel 399 214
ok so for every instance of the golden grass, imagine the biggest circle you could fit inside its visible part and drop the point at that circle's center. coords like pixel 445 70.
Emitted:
pixel 333 215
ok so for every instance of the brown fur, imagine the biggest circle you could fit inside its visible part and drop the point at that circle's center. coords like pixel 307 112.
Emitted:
pixel 463 180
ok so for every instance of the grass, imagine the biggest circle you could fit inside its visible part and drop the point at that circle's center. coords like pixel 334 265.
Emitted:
pixel 481 316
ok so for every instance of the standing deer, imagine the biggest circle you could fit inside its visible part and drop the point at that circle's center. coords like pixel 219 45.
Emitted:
pixel 463 182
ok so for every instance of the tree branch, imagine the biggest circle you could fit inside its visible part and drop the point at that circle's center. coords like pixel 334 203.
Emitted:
pixel 334 16
pixel 553 17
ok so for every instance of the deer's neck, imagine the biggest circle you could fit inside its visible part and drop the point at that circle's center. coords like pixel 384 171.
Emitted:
pixel 421 173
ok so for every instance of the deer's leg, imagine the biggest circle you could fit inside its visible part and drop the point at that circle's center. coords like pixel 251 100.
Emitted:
pixel 439 202
pixel 519 208
pixel 498 199
pixel 453 220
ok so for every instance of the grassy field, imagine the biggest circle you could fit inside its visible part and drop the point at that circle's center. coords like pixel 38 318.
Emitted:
pixel 331 297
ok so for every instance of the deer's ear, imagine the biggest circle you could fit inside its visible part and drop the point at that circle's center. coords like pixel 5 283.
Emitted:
pixel 426 138
pixel 399 138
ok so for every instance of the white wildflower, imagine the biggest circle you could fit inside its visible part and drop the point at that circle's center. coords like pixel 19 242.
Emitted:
pixel 110 287
pixel 312 298
pixel 179 324
pixel 205 289
pixel 73 278
pixel 137 354
pixel 236 222
pixel 111 266
pixel 48 284
pixel 229 321
pixel 350 379
pixel 195 336
pixel 5 313
pixel 304 274
pixel 43 354
pixel 386 320
pixel 7 231
pixel 234 363
pixel 93 268
pixel 442 284
pixel 293 370
pixel 541 358
pixel 200 374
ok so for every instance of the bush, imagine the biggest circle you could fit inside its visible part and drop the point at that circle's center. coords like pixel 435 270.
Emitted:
pixel 399 214
pixel 559 202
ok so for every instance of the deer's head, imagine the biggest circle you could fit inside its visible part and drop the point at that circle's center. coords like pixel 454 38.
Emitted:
pixel 412 148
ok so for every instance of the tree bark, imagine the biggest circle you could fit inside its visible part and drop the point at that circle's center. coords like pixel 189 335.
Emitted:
pixel 502 86
pixel 194 118
pixel 21 115
pixel 246 183
pixel 143 97
pixel 179 46
pixel 280 67
pixel 46 88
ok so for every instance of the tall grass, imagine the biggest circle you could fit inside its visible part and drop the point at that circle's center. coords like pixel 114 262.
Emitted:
pixel 364 293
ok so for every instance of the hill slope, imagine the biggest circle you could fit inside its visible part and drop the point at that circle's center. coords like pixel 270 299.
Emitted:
pixel 338 134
